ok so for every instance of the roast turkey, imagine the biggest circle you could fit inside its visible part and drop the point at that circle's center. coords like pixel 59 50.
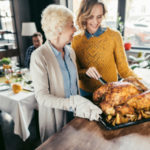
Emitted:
pixel 123 101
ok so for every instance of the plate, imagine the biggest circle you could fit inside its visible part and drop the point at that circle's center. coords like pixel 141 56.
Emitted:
pixel 28 88
pixel 123 125
pixel 4 87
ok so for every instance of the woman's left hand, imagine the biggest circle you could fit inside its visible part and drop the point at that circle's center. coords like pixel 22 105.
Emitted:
pixel 93 73
pixel 84 108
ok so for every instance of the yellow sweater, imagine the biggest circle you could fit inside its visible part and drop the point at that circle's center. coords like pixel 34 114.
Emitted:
pixel 106 53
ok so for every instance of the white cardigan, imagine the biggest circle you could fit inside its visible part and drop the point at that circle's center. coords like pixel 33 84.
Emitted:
pixel 48 83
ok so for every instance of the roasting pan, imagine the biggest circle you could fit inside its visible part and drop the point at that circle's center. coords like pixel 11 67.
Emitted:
pixel 108 126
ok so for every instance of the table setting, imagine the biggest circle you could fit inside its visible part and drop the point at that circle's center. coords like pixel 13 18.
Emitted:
pixel 17 98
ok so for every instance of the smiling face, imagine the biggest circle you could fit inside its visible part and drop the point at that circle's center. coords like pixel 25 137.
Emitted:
pixel 68 32
pixel 95 19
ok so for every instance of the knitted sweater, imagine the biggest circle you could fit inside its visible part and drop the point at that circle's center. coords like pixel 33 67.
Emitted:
pixel 106 53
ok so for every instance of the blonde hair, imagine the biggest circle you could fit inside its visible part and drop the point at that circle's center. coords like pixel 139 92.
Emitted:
pixel 54 19
pixel 84 12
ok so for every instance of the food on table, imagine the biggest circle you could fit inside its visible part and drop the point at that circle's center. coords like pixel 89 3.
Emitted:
pixel 123 101
pixel 136 82
pixel 16 88
pixel 7 81
pixel 141 101
pixel 6 66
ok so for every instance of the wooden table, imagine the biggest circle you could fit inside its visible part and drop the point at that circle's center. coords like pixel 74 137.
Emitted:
pixel 81 134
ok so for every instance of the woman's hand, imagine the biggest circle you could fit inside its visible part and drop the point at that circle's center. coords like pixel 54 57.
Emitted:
pixel 84 108
pixel 93 73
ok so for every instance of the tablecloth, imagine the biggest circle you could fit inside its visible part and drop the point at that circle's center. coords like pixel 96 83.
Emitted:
pixel 21 107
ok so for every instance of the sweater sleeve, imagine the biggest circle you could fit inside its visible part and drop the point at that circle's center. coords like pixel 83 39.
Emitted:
pixel 81 70
pixel 41 84
pixel 121 59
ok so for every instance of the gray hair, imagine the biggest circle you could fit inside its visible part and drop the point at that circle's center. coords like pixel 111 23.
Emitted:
pixel 54 19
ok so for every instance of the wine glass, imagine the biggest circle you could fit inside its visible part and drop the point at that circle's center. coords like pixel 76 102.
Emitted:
pixel 7 71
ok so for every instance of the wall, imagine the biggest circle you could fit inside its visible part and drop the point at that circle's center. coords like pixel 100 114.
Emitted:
pixel 25 11
pixel 22 14
pixel 36 8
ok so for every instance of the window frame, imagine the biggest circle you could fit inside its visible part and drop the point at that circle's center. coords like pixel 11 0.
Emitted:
pixel 13 23
pixel 121 13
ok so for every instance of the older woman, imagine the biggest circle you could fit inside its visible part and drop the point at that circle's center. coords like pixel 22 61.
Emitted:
pixel 54 74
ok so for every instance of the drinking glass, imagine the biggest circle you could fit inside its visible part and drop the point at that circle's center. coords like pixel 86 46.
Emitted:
pixel 7 73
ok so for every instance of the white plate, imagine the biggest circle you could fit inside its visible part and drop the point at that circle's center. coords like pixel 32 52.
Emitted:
pixel 28 88
pixel 4 87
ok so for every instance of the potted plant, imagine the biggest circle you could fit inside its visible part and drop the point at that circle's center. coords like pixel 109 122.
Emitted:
pixel 5 61
pixel 127 44
pixel 4 65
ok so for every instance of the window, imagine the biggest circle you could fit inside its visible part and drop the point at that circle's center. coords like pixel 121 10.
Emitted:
pixel 136 26
pixel 7 30
pixel 110 18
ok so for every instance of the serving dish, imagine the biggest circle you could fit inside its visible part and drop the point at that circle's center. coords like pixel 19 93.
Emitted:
pixel 109 126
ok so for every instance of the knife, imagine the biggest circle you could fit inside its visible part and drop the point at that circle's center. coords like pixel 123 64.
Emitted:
pixel 102 80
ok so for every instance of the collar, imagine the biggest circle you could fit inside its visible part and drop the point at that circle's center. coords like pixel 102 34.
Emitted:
pixel 97 33
pixel 56 52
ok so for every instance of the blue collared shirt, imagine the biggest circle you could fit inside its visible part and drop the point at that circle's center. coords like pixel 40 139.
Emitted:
pixel 28 55
pixel 97 33
pixel 68 70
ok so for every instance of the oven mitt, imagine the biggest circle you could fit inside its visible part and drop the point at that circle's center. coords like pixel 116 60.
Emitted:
pixel 84 108
pixel 81 106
